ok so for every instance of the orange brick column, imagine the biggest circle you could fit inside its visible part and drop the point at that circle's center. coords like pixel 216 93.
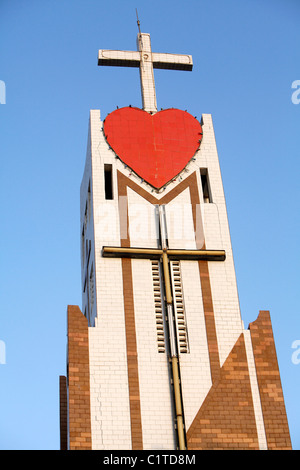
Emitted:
pixel 269 383
pixel 78 381
pixel 226 419
pixel 63 412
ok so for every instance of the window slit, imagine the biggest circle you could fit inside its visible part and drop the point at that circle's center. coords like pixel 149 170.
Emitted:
pixel 205 185
pixel 108 181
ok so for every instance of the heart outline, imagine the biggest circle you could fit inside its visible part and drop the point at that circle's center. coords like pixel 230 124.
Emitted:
pixel 157 147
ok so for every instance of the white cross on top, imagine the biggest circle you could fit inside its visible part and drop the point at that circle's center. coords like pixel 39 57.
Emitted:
pixel 146 60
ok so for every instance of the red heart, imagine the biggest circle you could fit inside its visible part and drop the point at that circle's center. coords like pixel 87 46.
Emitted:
pixel 156 147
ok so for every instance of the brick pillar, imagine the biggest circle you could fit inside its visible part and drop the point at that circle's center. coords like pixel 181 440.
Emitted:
pixel 78 381
pixel 269 383
pixel 226 419
pixel 63 413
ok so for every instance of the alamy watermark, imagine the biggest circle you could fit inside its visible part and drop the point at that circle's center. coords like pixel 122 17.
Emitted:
pixel 2 92
pixel 182 224
pixel 296 94
pixel 2 352
pixel 296 353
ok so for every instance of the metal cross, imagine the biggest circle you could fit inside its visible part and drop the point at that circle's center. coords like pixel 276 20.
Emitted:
pixel 165 254
pixel 146 60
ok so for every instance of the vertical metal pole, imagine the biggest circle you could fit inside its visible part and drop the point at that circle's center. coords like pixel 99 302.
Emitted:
pixel 178 406
pixel 138 21
pixel 173 347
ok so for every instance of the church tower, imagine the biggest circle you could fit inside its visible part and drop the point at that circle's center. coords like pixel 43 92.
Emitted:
pixel 158 356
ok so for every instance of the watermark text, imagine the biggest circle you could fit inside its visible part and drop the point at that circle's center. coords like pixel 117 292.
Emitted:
pixel 2 92
pixel 2 352
pixel 296 94
pixel 296 353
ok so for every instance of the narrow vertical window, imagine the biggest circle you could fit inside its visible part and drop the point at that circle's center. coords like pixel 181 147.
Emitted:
pixel 205 185
pixel 87 249
pixel 92 289
pixel 82 246
pixel 89 201
pixel 85 216
pixel 108 183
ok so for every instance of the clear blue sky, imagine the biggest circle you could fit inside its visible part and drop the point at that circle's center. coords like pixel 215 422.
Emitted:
pixel 246 57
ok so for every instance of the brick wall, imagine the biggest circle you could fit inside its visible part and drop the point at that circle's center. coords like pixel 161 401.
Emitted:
pixel 269 383
pixel 226 419
pixel 63 413
pixel 78 380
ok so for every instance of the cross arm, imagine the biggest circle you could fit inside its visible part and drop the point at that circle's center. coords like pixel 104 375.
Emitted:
pixel 155 253
pixel 133 58
pixel 119 58
pixel 172 61
pixel 207 255
pixel 130 252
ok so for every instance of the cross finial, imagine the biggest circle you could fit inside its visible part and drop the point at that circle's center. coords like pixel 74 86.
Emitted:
pixel 146 60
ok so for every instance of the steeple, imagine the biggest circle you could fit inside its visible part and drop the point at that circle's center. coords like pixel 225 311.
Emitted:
pixel 158 356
